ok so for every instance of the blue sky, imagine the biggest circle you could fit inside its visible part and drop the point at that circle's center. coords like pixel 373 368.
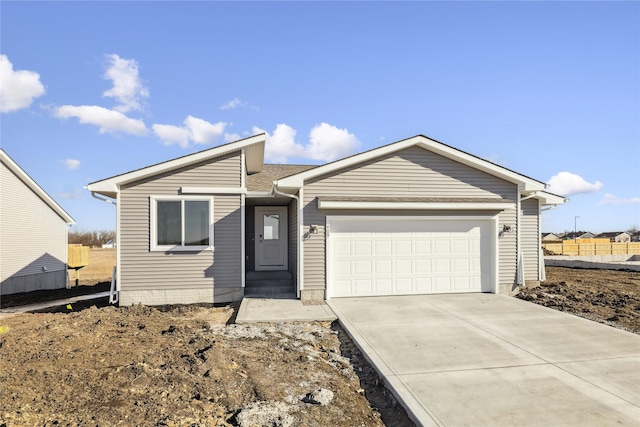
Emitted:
pixel 548 89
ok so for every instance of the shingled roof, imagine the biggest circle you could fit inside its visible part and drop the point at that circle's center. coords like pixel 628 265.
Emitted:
pixel 262 181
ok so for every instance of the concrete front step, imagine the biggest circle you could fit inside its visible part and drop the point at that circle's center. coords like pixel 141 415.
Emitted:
pixel 269 284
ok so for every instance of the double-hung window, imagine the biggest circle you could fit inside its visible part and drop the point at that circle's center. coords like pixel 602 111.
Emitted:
pixel 181 223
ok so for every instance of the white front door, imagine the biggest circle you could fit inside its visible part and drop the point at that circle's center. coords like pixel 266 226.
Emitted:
pixel 271 238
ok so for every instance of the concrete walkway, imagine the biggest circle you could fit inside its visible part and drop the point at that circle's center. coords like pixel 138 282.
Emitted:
pixel 48 304
pixel 483 359
pixel 254 310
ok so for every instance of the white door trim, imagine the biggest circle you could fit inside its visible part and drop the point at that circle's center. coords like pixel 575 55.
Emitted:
pixel 283 237
pixel 491 219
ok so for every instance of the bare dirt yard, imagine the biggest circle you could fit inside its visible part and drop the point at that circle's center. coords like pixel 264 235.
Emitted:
pixel 94 364
pixel 605 296
pixel 192 366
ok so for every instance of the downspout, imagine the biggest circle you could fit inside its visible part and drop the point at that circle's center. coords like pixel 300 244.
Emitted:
pixel 114 295
pixel 274 190
pixel 520 259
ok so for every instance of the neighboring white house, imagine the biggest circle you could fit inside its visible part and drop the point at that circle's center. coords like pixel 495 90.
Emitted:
pixel 33 233
pixel 616 236
pixel 110 244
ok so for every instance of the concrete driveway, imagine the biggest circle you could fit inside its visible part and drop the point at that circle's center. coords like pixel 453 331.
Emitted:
pixel 484 359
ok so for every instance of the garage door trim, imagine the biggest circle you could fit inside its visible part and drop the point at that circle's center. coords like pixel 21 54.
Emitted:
pixel 491 219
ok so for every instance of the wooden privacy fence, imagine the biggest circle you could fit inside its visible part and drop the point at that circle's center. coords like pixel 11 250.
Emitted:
pixel 78 256
pixel 570 248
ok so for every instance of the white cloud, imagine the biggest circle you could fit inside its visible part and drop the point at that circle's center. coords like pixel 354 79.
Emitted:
pixel 170 134
pixel 231 137
pixel 71 163
pixel 74 194
pixel 610 199
pixel 203 132
pixel 282 144
pixel 234 103
pixel 18 88
pixel 194 130
pixel 107 120
pixel 567 183
pixel 127 87
pixel 328 143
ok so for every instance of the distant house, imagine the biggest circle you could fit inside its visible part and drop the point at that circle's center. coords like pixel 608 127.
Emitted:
pixel 549 236
pixel 33 233
pixel 635 237
pixel 616 236
pixel 577 235
pixel 110 244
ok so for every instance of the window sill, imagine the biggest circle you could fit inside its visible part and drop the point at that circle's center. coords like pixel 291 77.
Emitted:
pixel 181 249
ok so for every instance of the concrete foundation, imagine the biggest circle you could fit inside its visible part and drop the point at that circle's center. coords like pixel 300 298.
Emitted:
pixel 34 282
pixel 312 296
pixel 180 296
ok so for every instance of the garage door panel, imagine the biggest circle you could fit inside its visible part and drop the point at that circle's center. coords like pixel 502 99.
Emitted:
pixel 383 266
pixel 403 266
pixel 441 246
pixel 403 247
pixel 383 286
pixel 423 285
pixel 403 285
pixel 422 266
pixel 342 248
pixel 362 267
pixel 363 287
pixel 342 268
pixel 442 265
pixel 384 247
pixel 362 247
pixel 396 257
pixel 422 246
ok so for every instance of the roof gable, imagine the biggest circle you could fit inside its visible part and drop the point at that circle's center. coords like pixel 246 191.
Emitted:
pixel 33 186
pixel 528 184
pixel 254 155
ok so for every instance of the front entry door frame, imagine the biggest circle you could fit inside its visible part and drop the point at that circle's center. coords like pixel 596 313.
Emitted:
pixel 271 253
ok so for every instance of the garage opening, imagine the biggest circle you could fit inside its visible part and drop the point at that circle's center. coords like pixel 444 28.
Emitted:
pixel 375 256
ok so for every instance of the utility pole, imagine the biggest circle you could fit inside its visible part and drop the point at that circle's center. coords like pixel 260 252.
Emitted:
pixel 575 229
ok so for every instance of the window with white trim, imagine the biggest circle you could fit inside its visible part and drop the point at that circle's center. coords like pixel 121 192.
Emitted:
pixel 181 223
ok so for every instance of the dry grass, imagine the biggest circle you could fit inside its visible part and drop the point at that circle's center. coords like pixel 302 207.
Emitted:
pixel 100 267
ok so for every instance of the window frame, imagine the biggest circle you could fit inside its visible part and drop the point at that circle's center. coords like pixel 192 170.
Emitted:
pixel 153 224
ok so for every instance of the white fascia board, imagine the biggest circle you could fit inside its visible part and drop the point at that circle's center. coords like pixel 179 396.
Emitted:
pixel 297 181
pixel 254 149
pixel 550 198
pixel 330 204
pixel 213 190
pixel 33 186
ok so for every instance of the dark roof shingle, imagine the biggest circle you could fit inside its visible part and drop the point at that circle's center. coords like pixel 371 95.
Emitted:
pixel 262 181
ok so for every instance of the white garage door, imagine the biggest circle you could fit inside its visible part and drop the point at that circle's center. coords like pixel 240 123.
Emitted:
pixel 373 256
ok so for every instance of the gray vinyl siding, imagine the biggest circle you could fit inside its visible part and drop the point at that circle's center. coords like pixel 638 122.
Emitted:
pixel 34 236
pixel 507 250
pixel 529 235
pixel 413 172
pixel 142 269
pixel 292 216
